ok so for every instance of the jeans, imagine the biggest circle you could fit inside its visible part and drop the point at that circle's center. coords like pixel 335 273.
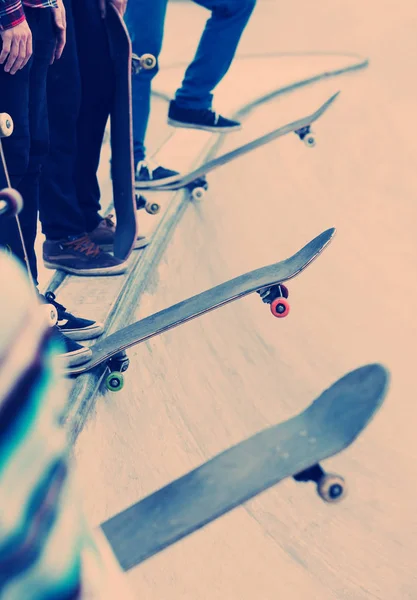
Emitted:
pixel 23 96
pixel 215 52
pixel 79 99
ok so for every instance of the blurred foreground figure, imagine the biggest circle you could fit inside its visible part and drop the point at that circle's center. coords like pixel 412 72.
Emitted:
pixel 47 551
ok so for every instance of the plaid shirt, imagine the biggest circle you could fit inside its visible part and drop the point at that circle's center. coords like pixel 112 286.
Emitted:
pixel 12 12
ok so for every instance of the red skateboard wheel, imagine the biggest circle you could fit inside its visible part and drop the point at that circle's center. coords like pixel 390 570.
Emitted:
pixel 280 307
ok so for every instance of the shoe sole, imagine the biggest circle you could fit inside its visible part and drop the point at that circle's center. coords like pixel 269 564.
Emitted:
pixel 212 129
pixel 88 333
pixel 116 270
pixel 73 359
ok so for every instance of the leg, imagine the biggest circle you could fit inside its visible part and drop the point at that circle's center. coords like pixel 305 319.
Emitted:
pixel 97 75
pixel 215 52
pixel 145 38
pixel 59 210
pixel 24 97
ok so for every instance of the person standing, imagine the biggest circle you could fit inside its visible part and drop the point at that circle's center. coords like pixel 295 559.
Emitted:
pixel 32 35
pixel 192 105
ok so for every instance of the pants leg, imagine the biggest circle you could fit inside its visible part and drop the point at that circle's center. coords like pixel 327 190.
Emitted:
pixel 97 85
pixel 60 213
pixel 145 21
pixel 215 52
pixel 23 96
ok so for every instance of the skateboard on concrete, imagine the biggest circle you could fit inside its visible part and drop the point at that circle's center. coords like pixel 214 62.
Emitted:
pixel 291 449
pixel 195 180
pixel 267 281
pixel 121 131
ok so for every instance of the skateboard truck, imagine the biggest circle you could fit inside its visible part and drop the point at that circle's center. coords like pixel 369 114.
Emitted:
pixel 146 62
pixel 305 134
pixel 118 364
pixel 330 487
pixel 276 296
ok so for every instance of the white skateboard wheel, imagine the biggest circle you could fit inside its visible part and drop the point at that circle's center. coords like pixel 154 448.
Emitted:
pixel 6 125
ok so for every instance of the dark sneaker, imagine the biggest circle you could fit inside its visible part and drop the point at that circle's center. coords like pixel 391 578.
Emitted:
pixel 204 118
pixel 144 172
pixel 103 235
pixel 72 354
pixel 80 256
pixel 74 327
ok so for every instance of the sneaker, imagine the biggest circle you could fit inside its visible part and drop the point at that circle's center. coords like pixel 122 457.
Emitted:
pixel 73 327
pixel 80 256
pixel 103 235
pixel 72 354
pixel 144 172
pixel 200 118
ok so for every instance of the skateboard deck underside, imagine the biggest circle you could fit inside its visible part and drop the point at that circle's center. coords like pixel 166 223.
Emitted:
pixel 324 429
pixel 122 137
pixel 205 302
pixel 176 182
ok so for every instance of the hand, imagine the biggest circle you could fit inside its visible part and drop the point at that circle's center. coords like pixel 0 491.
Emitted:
pixel 60 20
pixel 17 47
pixel 119 5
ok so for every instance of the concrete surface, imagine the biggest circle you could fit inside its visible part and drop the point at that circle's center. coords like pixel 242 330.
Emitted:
pixel 200 388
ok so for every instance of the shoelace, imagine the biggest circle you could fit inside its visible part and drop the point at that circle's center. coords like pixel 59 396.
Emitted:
pixel 85 245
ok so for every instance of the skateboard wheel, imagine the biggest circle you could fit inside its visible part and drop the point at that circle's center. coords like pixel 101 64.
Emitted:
pixel 147 61
pixel 280 307
pixel 152 208
pixel 6 125
pixel 11 202
pixel 198 193
pixel 331 488
pixel 309 140
pixel 114 381
pixel 50 314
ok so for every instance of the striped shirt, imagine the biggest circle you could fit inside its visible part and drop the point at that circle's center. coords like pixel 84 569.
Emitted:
pixel 47 549
pixel 12 11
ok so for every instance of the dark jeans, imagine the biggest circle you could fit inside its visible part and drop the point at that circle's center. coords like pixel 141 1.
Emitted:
pixel 23 96
pixel 79 100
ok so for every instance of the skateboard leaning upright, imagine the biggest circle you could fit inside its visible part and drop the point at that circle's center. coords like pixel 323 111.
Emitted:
pixel 121 131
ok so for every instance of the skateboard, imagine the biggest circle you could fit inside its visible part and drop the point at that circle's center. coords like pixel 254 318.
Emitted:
pixel 267 281
pixel 11 203
pixel 293 448
pixel 195 180
pixel 121 131
pixel 10 199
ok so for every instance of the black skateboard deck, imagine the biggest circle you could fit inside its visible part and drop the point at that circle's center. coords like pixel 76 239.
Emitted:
pixel 302 127
pixel 121 132
pixel 268 281
pixel 291 449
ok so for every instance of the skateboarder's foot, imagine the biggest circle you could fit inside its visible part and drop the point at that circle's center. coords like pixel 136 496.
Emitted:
pixel 73 327
pixel 80 256
pixel 204 118
pixel 147 172
pixel 103 235
pixel 72 354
